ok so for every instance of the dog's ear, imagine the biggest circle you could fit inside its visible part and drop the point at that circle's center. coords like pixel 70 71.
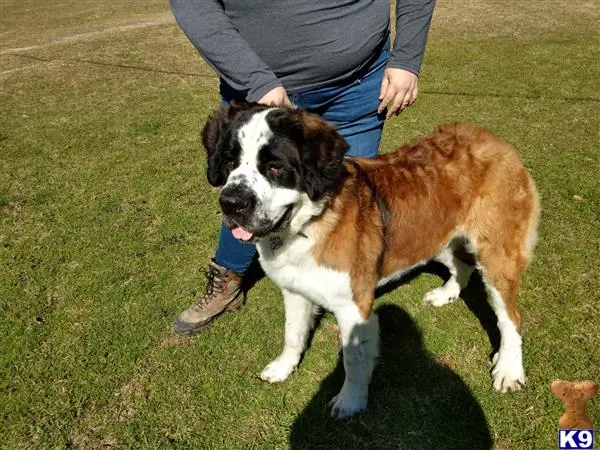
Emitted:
pixel 214 137
pixel 321 155
pixel 236 107
pixel 288 122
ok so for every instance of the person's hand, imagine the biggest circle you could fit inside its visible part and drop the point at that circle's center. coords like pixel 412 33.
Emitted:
pixel 399 90
pixel 275 97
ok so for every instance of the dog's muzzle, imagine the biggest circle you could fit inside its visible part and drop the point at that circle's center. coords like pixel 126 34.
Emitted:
pixel 239 205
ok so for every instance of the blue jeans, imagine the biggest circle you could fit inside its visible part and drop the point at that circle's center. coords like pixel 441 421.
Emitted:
pixel 352 107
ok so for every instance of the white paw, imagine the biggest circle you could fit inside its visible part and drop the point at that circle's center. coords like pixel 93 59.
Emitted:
pixel 277 370
pixel 348 403
pixel 440 296
pixel 508 374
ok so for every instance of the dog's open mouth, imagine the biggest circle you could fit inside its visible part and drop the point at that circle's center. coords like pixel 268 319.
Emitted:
pixel 242 234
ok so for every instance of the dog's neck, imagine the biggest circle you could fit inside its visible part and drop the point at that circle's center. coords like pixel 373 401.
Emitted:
pixel 304 212
pixel 303 215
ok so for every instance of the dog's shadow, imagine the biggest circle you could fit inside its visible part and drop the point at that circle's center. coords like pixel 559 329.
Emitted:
pixel 415 401
pixel 473 295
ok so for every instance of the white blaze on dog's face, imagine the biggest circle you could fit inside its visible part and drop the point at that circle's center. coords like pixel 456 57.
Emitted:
pixel 269 163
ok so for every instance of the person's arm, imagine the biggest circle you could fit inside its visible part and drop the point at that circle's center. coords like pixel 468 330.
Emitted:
pixel 208 28
pixel 413 18
pixel 399 88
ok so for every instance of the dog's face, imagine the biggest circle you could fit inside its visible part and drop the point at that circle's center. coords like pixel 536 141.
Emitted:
pixel 268 161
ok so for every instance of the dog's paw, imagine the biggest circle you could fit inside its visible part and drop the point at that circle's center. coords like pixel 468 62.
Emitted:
pixel 276 371
pixel 348 403
pixel 508 374
pixel 440 296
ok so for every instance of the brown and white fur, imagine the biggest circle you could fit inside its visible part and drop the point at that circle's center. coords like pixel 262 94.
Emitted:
pixel 330 229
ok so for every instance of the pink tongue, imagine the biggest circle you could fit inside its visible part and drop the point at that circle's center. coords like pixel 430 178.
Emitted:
pixel 241 234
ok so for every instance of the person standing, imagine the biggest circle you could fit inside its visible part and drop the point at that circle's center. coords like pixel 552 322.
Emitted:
pixel 330 57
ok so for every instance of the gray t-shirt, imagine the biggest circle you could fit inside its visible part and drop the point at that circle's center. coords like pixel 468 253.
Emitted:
pixel 256 45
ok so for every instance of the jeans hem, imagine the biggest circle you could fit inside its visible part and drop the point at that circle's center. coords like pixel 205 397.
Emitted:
pixel 237 268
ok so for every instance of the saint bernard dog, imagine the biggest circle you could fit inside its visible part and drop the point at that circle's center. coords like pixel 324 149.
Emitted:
pixel 330 229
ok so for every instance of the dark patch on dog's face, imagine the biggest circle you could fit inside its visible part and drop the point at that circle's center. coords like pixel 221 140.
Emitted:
pixel 279 158
pixel 275 158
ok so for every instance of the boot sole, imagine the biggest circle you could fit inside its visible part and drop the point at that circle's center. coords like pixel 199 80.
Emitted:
pixel 188 329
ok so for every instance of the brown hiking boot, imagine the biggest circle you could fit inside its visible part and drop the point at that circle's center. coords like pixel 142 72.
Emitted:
pixel 223 293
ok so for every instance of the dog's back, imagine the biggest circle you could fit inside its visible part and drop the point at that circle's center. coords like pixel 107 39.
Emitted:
pixel 461 180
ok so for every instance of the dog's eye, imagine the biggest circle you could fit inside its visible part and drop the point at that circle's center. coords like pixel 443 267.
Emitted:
pixel 274 170
pixel 230 165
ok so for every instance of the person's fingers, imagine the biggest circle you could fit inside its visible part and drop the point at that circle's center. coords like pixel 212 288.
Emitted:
pixel 275 97
pixel 406 102
pixel 384 86
pixel 400 102
pixel 282 99
pixel 413 94
pixel 386 95
pixel 389 96
pixel 394 106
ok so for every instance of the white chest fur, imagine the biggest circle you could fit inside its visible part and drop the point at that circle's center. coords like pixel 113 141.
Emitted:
pixel 290 264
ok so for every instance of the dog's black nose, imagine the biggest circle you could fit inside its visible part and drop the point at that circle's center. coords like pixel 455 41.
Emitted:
pixel 235 201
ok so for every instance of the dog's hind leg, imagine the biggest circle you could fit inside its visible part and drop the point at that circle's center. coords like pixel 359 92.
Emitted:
pixel 460 273
pixel 504 249
pixel 501 275
pixel 360 340
pixel 299 320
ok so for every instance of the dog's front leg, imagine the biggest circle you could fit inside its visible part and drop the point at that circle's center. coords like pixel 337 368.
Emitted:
pixel 360 341
pixel 299 320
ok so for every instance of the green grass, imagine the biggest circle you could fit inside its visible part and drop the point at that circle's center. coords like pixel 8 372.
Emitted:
pixel 106 217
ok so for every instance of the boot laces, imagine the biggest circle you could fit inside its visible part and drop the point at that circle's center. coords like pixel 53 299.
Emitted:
pixel 215 284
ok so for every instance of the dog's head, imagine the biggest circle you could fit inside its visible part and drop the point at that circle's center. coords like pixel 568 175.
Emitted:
pixel 268 162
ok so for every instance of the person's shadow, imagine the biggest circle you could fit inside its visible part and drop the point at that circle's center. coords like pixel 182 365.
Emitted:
pixel 415 402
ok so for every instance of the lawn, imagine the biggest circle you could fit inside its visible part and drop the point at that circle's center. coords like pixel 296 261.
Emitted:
pixel 106 218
